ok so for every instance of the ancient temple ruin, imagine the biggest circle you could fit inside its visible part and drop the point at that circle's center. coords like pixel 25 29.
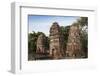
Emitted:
pixel 57 49
pixel 56 43
pixel 74 46
pixel 41 41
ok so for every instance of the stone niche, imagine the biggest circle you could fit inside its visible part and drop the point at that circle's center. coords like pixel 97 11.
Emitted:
pixel 41 41
pixel 56 44
pixel 74 46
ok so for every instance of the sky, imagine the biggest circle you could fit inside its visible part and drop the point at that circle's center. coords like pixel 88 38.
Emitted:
pixel 42 23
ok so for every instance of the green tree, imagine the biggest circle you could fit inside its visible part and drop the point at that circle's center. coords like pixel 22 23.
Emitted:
pixel 83 21
pixel 47 43
pixel 65 33
pixel 83 24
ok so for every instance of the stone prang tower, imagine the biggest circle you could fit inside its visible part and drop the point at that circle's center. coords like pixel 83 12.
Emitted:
pixel 56 43
pixel 41 41
pixel 74 46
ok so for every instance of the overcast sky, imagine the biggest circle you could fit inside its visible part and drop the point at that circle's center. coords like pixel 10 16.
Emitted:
pixel 43 23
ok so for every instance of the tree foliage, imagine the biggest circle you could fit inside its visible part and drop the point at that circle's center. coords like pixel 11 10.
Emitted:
pixel 65 33
pixel 83 23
